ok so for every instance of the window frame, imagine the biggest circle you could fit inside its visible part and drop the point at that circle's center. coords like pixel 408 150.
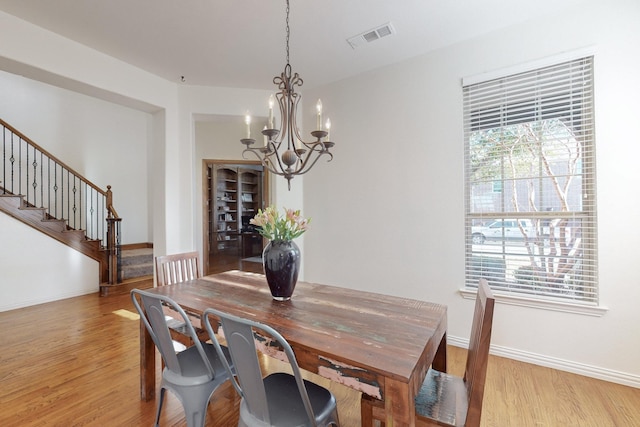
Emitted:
pixel 590 305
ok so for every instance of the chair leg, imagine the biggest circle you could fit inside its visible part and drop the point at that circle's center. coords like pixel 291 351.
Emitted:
pixel 162 391
pixel 334 422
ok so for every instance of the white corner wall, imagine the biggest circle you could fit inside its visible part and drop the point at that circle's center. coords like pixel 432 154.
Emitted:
pixel 36 269
pixel 389 210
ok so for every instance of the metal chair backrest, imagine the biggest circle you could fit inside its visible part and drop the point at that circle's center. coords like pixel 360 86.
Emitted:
pixel 478 355
pixel 241 336
pixel 177 268
pixel 150 307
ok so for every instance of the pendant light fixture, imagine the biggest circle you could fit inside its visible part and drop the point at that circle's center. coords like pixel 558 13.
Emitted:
pixel 284 152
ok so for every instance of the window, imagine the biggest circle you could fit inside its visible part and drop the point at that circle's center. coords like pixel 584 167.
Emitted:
pixel 530 136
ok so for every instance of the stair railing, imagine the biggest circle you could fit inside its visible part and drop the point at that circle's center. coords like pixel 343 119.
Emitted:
pixel 27 169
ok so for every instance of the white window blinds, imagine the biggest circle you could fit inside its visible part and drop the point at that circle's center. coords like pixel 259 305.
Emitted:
pixel 530 183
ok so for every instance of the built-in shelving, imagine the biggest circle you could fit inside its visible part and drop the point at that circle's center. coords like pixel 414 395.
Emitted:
pixel 235 197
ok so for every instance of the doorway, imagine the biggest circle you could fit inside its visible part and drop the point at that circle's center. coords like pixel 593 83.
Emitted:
pixel 233 191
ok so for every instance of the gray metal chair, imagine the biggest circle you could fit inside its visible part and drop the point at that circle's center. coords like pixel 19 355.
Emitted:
pixel 193 374
pixel 279 399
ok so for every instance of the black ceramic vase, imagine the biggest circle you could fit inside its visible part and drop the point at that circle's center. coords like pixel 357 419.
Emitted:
pixel 281 260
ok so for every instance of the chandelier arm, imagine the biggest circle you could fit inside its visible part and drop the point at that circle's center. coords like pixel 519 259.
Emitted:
pixel 254 151
pixel 266 162
pixel 274 152
pixel 292 100
pixel 273 147
pixel 304 168
pixel 281 96
pixel 305 156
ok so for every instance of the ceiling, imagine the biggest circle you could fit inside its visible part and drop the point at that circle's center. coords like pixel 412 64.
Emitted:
pixel 241 43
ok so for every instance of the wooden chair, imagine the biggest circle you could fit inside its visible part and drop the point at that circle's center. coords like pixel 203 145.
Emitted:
pixel 445 399
pixel 178 268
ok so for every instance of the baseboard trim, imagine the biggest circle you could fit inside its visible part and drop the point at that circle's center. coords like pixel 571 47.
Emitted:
pixel 38 301
pixel 591 371
pixel 143 282
pixel 143 245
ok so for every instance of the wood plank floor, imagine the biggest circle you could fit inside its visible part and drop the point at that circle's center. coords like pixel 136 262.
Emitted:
pixel 75 363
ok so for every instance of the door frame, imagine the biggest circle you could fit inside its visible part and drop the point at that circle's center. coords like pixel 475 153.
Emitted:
pixel 266 199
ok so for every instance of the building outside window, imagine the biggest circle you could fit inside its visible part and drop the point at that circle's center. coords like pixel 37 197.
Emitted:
pixel 530 208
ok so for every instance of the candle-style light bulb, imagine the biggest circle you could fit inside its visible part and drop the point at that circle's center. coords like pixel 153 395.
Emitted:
pixel 297 143
pixel 271 102
pixel 328 127
pixel 266 140
pixel 247 120
pixel 319 109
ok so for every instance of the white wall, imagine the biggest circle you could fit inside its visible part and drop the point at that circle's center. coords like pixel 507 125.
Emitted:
pixel 388 211
pixel 26 253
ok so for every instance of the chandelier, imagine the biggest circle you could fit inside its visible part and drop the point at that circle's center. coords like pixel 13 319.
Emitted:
pixel 296 157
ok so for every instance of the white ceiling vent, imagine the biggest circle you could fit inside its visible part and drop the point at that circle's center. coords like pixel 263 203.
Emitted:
pixel 371 35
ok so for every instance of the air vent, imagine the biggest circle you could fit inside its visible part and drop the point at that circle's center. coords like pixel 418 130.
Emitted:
pixel 371 35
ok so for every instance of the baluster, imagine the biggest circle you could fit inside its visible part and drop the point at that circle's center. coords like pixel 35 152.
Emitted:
pixel 41 181
pixel 27 176
pixel 35 177
pixel 101 222
pixel 12 159
pixel 4 160
pixel 68 216
pixel 74 206
pixel 55 189
pixel 19 166
pixel 90 199
pixel 49 185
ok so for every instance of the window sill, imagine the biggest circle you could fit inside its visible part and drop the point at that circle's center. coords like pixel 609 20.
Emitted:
pixel 553 305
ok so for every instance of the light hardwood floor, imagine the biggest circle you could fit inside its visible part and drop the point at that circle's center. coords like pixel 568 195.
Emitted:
pixel 75 363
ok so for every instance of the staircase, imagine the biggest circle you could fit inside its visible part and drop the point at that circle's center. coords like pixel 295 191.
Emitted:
pixel 136 270
pixel 136 263
pixel 41 191
pixel 38 218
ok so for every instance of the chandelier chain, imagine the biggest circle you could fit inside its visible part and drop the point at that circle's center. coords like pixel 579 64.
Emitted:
pixel 288 31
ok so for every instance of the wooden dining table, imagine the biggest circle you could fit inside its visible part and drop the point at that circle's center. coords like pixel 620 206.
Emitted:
pixel 380 345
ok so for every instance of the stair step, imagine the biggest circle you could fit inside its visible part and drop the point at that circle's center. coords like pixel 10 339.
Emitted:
pixel 137 263
pixel 138 270
pixel 137 256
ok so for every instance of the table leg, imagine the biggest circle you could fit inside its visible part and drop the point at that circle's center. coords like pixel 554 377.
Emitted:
pixel 400 408
pixel 147 365
pixel 440 359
